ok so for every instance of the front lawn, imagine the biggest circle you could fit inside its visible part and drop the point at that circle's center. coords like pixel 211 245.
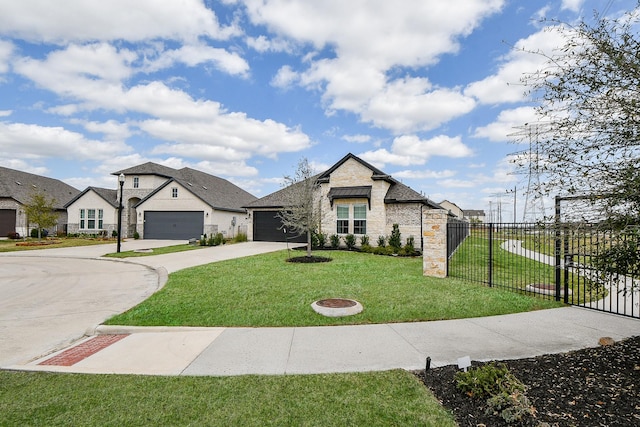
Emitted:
pixel 265 290
pixel 363 399
pixel 11 245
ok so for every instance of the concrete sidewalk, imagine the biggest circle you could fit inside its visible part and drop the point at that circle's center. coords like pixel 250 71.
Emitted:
pixel 311 350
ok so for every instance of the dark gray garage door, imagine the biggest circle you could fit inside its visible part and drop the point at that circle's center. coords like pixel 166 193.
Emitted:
pixel 173 225
pixel 7 221
pixel 267 227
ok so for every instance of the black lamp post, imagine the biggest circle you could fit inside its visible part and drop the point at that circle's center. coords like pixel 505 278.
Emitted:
pixel 121 181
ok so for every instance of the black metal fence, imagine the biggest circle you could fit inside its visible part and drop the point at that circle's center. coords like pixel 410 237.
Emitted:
pixel 580 264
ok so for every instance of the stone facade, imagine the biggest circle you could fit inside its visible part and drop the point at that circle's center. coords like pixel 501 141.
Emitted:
pixel 434 247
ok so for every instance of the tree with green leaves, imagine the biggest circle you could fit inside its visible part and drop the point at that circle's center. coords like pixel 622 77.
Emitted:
pixel 40 211
pixel 301 209
pixel 587 139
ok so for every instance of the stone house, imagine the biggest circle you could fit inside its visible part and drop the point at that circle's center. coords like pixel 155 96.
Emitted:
pixel 16 190
pixel 160 202
pixel 355 198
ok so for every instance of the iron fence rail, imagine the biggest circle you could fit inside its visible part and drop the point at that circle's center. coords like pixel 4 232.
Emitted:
pixel 566 262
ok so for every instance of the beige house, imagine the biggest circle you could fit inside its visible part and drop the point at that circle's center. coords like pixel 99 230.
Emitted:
pixel 452 208
pixel 355 198
pixel 163 203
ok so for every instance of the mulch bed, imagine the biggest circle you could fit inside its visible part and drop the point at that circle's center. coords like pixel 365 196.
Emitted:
pixel 309 259
pixel 593 387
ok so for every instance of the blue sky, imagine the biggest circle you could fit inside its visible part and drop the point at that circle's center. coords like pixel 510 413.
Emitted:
pixel 426 90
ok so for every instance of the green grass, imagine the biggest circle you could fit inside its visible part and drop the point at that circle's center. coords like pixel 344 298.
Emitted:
pixel 364 399
pixel 10 245
pixel 156 251
pixel 265 290
pixel 513 271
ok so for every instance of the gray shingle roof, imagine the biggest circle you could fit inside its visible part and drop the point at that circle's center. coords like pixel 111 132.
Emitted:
pixel 397 193
pixel 110 196
pixel 20 186
pixel 216 192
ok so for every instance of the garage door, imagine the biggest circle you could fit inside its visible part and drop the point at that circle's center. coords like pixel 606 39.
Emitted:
pixel 267 227
pixel 173 225
pixel 7 221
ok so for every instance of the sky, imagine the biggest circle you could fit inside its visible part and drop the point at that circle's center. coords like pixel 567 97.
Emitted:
pixel 428 91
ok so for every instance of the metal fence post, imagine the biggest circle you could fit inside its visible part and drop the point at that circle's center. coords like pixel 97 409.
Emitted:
pixel 558 248
pixel 490 255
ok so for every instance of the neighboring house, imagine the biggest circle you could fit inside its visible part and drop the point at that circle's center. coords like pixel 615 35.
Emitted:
pixel 93 211
pixel 475 215
pixel 16 190
pixel 355 198
pixel 164 203
pixel 452 208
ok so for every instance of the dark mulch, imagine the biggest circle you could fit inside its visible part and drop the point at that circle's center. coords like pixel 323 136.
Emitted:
pixel 309 259
pixel 594 387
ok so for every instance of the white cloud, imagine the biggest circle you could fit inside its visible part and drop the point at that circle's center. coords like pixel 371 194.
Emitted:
pixel 33 141
pixel 410 150
pixel 412 104
pixel 6 51
pixel 572 5
pixel 285 77
pixel 358 139
pixel 507 123
pixel 370 38
pixel 5 113
pixel 197 54
pixel 112 129
pixel 424 174
pixel 90 20
pixel 505 85
pixel 457 183
pixel 263 44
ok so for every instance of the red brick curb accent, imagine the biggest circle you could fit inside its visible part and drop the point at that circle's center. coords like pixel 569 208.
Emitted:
pixel 75 354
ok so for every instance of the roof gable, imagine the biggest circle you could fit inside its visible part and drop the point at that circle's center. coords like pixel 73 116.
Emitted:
pixel 397 193
pixel 109 196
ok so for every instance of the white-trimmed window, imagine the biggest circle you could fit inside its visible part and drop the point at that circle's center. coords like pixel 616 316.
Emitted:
pixel 342 225
pixel 174 192
pixel 359 219
pixel 136 182
pixel 88 219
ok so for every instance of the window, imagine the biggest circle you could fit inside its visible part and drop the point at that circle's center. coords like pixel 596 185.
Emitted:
pixel 100 220
pixel 136 182
pixel 174 192
pixel 359 219
pixel 81 218
pixel 343 219
pixel 91 219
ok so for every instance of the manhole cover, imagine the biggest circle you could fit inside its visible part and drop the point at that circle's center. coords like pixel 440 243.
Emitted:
pixel 337 307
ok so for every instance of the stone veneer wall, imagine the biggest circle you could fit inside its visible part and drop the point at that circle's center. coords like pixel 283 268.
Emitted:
pixel 434 249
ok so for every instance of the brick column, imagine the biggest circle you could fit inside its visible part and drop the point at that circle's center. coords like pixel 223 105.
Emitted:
pixel 434 246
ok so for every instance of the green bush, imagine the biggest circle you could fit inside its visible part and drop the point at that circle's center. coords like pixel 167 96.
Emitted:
pixel 382 241
pixel 322 240
pixel 350 241
pixel 364 240
pixel 136 235
pixel 240 237
pixel 409 248
pixel 114 233
pixel 395 241
pixel 335 241
pixel 505 394
pixel 218 239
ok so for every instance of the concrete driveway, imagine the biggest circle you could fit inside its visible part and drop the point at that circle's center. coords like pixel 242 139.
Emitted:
pixel 47 303
pixel 52 297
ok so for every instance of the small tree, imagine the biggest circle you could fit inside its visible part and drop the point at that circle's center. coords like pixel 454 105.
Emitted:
pixel 301 212
pixel 395 241
pixel 41 211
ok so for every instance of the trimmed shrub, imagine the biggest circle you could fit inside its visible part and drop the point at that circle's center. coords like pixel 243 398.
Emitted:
pixel 335 241
pixel 382 241
pixel 395 241
pixel 364 240
pixel 350 241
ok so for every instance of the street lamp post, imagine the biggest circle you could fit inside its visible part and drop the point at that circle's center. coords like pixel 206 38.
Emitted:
pixel 121 182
